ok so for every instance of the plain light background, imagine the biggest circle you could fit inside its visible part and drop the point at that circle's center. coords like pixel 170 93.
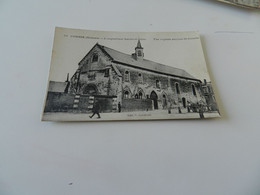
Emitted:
pixel 210 157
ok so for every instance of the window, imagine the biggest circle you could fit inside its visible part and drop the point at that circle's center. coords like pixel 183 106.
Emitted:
pixel 136 96
pixel 147 96
pixel 209 89
pixel 193 90
pixel 205 90
pixel 92 76
pixel 158 84
pixel 106 72
pixel 126 94
pixel 177 88
pixel 127 75
pixel 77 76
pixel 95 58
pixel 86 61
pixel 139 53
pixel 140 78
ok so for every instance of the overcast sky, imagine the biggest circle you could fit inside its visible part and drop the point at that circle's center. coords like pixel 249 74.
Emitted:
pixel 180 50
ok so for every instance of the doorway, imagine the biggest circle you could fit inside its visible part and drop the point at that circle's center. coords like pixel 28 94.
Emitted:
pixel 184 102
pixel 90 90
pixel 154 97
pixel 164 102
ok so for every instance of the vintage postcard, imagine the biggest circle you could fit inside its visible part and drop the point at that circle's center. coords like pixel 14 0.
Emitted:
pixel 244 3
pixel 102 76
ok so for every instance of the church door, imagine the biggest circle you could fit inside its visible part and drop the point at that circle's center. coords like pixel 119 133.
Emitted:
pixel 154 97
pixel 90 90
pixel 184 102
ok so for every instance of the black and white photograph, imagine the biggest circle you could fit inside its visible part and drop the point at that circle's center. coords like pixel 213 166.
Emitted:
pixel 97 76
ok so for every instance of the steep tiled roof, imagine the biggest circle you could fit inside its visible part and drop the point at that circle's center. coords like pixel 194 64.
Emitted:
pixel 145 64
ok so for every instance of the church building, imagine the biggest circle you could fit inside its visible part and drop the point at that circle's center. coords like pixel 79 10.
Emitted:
pixel 133 82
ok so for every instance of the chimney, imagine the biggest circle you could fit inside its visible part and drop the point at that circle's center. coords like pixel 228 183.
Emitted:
pixel 67 78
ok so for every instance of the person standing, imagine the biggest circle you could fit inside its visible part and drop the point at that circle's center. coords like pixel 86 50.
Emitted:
pixel 201 110
pixel 189 106
pixel 169 108
pixel 119 107
pixel 96 109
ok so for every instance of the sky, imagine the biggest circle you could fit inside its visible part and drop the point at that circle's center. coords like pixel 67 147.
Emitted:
pixel 181 50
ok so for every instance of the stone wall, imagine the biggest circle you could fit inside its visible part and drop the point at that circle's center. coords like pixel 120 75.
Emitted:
pixel 136 105
pixel 166 88
pixel 106 103
pixel 83 104
pixel 59 102
pixel 63 102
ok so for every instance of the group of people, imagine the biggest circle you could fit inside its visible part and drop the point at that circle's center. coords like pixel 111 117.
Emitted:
pixel 200 108
pixel 97 107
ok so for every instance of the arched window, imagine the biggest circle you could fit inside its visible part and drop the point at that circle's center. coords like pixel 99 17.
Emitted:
pixel 177 88
pixel 140 95
pixel 158 84
pixel 127 76
pixel 193 90
pixel 139 53
pixel 95 58
pixel 140 78
pixel 126 94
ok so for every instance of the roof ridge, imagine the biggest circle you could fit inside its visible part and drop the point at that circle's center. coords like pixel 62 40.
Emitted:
pixel 113 49
pixel 143 58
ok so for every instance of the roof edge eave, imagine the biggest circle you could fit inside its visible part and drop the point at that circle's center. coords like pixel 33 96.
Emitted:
pixel 183 77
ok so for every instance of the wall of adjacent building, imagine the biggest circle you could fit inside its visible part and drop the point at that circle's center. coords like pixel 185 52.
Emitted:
pixel 167 86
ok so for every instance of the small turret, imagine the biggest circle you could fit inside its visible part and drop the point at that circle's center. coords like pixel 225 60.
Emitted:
pixel 139 53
